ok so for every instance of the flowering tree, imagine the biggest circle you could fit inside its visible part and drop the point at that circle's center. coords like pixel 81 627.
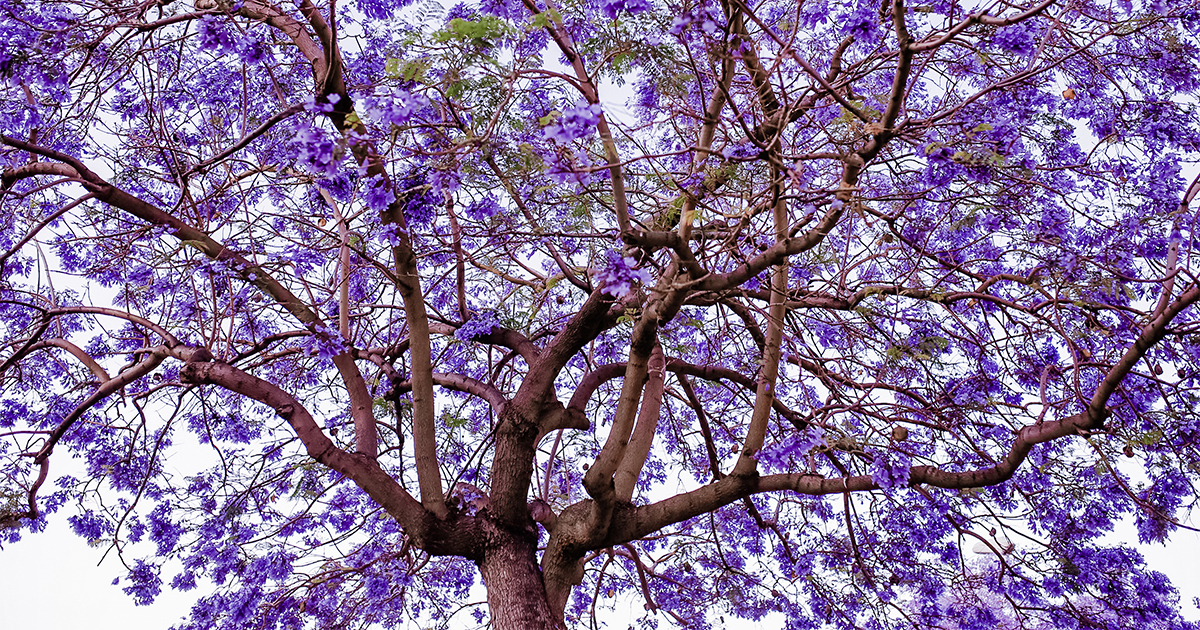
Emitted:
pixel 847 289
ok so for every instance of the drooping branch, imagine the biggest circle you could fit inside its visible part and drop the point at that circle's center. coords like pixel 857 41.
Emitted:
pixel 360 398
pixel 153 358
pixel 84 358
pixel 421 525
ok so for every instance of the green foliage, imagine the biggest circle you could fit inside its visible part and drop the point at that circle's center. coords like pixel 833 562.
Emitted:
pixel 478 31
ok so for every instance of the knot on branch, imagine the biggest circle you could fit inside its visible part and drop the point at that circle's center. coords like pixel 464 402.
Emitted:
pixel 541 512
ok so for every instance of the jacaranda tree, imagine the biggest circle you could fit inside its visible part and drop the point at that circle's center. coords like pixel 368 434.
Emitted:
pixel 343 311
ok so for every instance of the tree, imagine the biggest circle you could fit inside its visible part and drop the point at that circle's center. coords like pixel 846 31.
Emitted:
pixel 849 288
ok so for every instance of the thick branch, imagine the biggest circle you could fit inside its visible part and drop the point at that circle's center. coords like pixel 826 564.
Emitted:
pixel 625 479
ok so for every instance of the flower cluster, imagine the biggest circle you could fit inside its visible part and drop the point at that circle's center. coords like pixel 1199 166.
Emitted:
pixel 378 9
pixel 317 152
pixel 478 326
pixel 618 276
pixel 378 194
pixel 325 343
pixel 610 8
pixel 393 106
pixel 740 151
pixel 1017 39
pixel 700 18
pixel 781 455
pixel 420 200
pixel 484 208
pixel 392 234
pixel 577 122
pixel 213 36
pixel 863 23
pixel 570 168
pixel 891 470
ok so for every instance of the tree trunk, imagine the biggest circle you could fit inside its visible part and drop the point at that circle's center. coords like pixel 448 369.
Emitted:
pixel 515 590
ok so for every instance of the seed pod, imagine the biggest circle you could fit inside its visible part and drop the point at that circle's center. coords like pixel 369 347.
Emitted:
pixel 1128 451
pixel 321 222
pixel 899 434
pixel 1158 369
pixel 1069 94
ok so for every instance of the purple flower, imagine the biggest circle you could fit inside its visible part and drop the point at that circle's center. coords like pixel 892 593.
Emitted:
pixel 146 585
pixel 610 8
pixel 212 36
pixel 863 23
pixel 250 50
pixel 891 470
pixel 575 168
pixel 444 180
pixel 325 343
pixel 392 234
pixel 420 200
pixel 394 106
pixel 378 195
pixel 781 455
pixel 484 208
pixel 700 18
pixel 618 277
pixel 316 151
pixel 740 151
pixel 1017 39
pixel 577 122
pixel 478 326
pixel 379 9
pixel 90 525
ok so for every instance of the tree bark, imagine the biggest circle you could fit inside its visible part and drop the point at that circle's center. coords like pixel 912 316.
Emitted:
pixel 516 592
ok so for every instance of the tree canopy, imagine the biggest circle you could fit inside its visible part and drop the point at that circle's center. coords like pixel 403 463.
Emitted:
pixel 767 311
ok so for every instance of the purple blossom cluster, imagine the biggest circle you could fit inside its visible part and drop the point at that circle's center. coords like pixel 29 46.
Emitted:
pixel 567 167
pixel 576 122
pixel 479 325
pixel 891 470
pixel 325 343
pixel 740 151
pixel 610 8
pixel 213 35
pixel 317 152
pixel 393 106
pixel 1018 39
pixel 863 22
pixel 392 235
pixel 620 273
pixel 377 193
pixel 699 18
pixel 483 208
pixel 420 200
pixel 792 451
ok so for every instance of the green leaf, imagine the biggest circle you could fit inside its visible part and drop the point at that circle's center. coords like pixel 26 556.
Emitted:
pixel 392 67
